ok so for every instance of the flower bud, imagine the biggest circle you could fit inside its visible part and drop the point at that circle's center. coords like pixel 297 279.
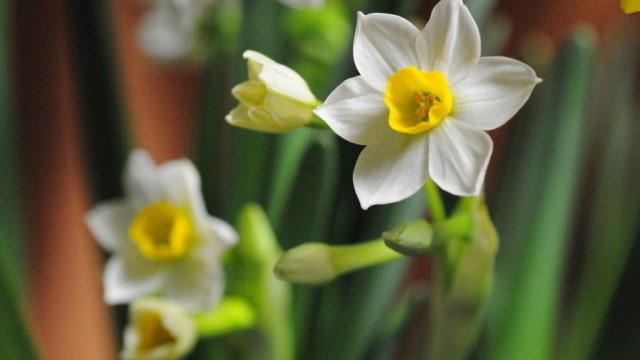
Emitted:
pixel 274 99
pixel 411 238
pixel 309 263
pixel 159 329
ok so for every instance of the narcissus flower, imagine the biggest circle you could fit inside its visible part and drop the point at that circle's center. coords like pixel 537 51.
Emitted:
pixel 274 99
pixel 422 103
pixel 630 6
pixel 168 31
pixel 161 237
pixel 158 330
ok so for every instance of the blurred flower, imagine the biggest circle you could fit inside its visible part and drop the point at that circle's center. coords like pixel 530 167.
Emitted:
pixel 161 237
pixel 421 103
pixel 274 99
pixel 167 32
pixel 630 6
pixel 303 3
pixel 159 330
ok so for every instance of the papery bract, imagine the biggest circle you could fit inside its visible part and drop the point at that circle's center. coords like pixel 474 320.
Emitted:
pixel 422 103
pixel 161 237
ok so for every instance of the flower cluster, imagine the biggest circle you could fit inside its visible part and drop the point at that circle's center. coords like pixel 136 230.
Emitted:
pixel 161 237
pixel 163 242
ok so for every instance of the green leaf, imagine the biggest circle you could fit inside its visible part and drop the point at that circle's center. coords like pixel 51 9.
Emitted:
pixel 15 336
pixel 535 216
pixel 615 205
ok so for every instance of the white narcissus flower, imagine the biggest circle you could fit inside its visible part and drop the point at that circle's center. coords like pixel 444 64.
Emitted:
pixel 167 32
pixel 422 103
pixel 158 330
pixel 161 237
pixel 300 4
pixel 274 99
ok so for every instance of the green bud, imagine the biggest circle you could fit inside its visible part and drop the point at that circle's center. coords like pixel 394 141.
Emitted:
pixel 411 238
pixel 309 263
pixel 316 263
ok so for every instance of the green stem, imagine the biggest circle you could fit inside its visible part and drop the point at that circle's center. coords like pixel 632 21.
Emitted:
pixel 348 258
pixel 436 205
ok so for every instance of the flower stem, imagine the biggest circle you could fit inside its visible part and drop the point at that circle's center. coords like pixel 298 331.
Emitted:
pixel 434 200
pixel 348 258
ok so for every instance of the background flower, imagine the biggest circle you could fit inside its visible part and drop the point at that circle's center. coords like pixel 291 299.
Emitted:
pixel 161 237
pixel 158 330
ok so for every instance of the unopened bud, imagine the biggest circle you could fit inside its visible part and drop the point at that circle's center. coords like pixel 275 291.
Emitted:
pixel 309 263
pixel 411 238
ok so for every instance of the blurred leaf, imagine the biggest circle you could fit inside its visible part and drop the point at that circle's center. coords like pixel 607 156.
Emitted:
pixel 15 337
pixel 105 133
pixel 536 211
pixel 615 206
pixel 254 259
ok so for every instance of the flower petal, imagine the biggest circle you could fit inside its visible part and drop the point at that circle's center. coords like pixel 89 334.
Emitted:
pixel 285 113
pixel 196 284
pixel 140 179
pixel 109 223
pixel 255 62
pixel 219 230
pixel 257 119
pixel 356 112
pixel 181 186
pixel 450 42
pixel 458 157
pixel 391 170
pixel 383 44
pixel 127 279
pixel 493 92
pixel 288 83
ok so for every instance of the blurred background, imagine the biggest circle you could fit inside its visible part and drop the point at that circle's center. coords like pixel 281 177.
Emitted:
pixel 64 63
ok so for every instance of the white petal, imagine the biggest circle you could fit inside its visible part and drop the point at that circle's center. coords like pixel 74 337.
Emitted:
pixel 383 44
pixel 255 62
pixel 141 179
pixel 181 186
pixel 356 112
pixel 257 119
pixel 286 113
pixel 450 42
pixel 161 35
pixel 458 157
pixel 221 232
pixel 493 92
pixel 287 82
pixel 196 284
pixel 127 279
pixel 391 170
pixel 109 223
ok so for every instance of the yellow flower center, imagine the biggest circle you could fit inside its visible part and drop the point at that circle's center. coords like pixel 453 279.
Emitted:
pixel 417 100
pixel 152 333
pixel 162 232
